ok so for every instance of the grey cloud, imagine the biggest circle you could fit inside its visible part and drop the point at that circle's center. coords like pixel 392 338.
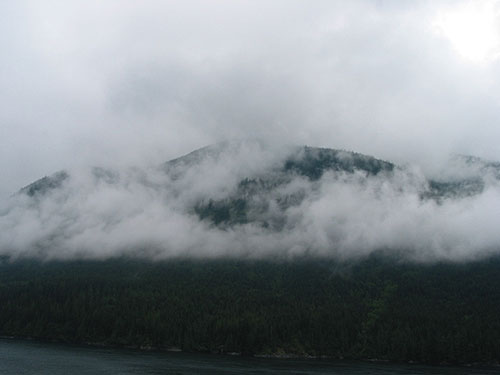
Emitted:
pixel 121 83
pixel 97 213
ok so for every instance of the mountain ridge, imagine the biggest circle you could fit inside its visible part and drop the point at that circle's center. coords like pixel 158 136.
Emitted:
pixel 253 198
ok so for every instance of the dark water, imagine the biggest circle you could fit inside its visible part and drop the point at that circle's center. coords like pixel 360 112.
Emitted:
pixel 27 357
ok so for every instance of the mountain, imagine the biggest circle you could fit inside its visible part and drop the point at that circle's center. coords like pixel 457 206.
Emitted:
pixel 255 199
pixel 45 184
pixel 252 188
pixel 241 247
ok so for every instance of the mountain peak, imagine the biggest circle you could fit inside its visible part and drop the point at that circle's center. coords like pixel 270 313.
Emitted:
pixel 247 196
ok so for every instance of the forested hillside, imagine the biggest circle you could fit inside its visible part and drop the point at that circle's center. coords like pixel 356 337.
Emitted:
pixel 260 251
pixel 375 308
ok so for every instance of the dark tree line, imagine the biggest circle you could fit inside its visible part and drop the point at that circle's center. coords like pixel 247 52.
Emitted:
pixel 375 308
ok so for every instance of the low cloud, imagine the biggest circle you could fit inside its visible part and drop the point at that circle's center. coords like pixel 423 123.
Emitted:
pixel 99 213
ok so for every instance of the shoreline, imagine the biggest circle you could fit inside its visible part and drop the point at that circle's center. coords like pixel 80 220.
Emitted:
pixel 278 356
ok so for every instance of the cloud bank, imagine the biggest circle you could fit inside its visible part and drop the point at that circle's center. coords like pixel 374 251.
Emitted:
pixel 99 213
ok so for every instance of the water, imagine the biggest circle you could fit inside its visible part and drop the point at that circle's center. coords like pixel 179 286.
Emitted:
pixel 29 357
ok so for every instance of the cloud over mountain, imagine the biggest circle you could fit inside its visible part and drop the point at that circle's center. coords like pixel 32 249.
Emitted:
pixel 252 199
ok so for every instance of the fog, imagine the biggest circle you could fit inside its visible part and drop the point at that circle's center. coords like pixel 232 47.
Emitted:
pixel 127 86
pixel 98 213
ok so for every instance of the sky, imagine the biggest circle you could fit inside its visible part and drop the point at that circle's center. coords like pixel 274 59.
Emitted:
pixel 88 82
pixel 131 83
pixel 128 85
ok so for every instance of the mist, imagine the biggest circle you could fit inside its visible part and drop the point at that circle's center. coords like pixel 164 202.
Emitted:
pixel 99 213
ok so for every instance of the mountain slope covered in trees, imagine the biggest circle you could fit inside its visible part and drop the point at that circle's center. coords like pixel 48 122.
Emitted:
pixel 376 308
pixel 243 248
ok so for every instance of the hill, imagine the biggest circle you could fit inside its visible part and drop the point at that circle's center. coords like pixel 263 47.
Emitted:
pixel 377 308
pixel 251 198
pixel 247 248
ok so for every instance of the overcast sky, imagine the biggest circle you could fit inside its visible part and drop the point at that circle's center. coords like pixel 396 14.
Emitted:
pixel 131 82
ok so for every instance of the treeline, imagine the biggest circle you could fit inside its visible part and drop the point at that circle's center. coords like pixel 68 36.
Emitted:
pixel 376 308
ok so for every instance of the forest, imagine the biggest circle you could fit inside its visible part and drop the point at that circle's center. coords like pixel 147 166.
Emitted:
pixel 375 308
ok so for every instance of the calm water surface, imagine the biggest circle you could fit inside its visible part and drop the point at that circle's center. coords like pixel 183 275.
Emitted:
pixel 28 357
